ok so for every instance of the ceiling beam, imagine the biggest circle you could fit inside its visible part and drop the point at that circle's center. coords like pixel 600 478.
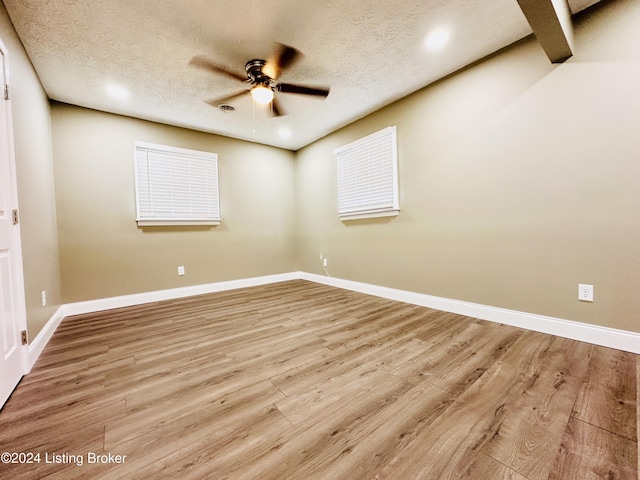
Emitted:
pixel 551 24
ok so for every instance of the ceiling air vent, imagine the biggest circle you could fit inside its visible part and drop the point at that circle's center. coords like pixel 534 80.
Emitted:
pixel 227 108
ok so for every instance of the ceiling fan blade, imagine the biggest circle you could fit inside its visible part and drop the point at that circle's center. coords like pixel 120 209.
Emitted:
pixel 302 89
pixel 203 62
pixel 285 56
pixel 218 101
pixel 276 108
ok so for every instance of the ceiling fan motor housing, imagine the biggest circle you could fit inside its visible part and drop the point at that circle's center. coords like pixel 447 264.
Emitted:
pixel 255 73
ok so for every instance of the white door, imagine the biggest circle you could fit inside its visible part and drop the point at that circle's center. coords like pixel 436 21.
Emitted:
pixel 12 309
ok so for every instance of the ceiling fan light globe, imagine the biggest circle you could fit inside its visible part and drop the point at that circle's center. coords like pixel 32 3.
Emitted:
pixel 262 95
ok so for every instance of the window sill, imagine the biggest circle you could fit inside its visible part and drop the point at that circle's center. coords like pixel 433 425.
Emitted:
pixel 364 215
pixel 171 223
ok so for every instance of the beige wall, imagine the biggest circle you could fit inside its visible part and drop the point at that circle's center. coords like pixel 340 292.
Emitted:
pixel 518 180
pixel 32 139
pixel 104 253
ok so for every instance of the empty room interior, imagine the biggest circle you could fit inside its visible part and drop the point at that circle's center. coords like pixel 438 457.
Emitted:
pixel 483 323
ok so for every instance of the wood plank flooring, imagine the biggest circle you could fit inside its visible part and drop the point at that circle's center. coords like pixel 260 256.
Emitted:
pixel 302 381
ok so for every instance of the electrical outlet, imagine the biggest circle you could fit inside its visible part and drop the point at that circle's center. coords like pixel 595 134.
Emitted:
pixel 181 270
pixel 325 262
pixel 43 295
pixel 585 292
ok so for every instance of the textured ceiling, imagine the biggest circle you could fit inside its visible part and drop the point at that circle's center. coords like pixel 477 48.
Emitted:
pixel 370 52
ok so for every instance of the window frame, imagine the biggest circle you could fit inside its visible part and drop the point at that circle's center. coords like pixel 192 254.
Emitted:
pixel 176 218
pixel 389 204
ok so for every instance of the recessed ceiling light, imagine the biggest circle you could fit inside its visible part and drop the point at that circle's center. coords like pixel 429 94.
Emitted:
pixel 116 91
pixel 284 132
pixel 437 39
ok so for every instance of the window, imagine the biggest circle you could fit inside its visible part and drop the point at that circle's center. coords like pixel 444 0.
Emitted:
pixel 175 186
pixel 368 177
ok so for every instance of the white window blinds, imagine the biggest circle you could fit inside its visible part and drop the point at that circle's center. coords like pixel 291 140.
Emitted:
pixel 368 176
pixel 175 186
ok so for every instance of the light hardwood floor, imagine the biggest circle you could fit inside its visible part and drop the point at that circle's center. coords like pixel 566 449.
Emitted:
pixel 302 381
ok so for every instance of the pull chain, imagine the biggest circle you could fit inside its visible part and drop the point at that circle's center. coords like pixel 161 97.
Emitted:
pixel 253 104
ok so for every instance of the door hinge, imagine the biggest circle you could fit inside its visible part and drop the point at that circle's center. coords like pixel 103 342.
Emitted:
pixel 14 213
pixel 6 91
pixel 25 340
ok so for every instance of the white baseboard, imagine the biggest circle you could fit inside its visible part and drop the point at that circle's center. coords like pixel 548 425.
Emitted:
pixel 597 335
pixel 36 347
pixel 606 337
pixel 89 306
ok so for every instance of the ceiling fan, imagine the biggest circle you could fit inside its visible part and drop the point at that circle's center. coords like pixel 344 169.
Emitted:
pixel 262 75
